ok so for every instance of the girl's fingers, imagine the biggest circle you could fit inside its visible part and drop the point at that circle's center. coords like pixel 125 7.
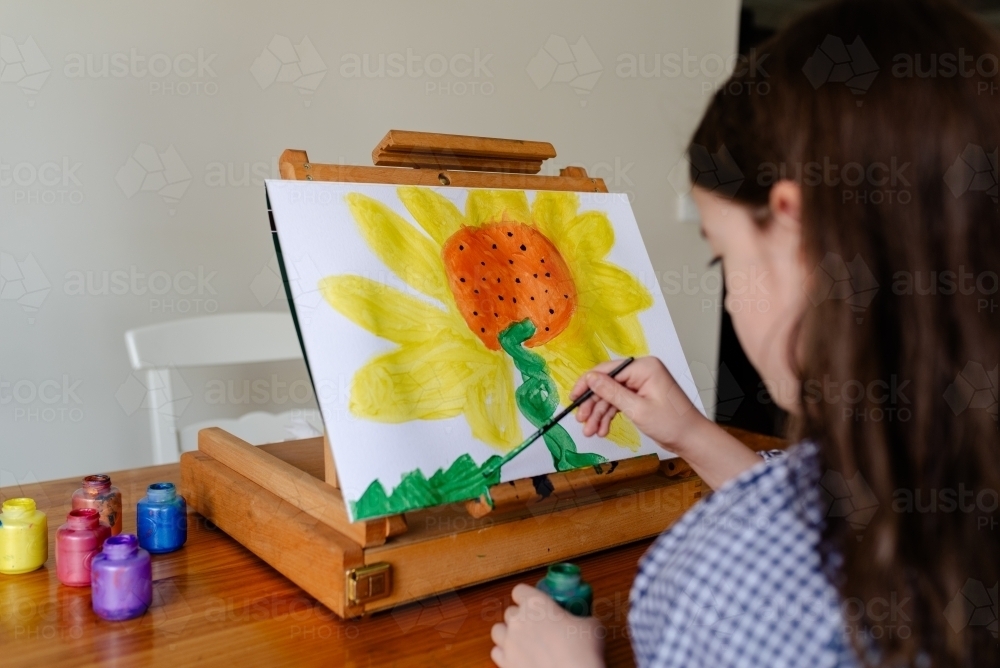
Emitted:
pixel 498 633
pixel 498 657
pixel 606 422
pixel 594 419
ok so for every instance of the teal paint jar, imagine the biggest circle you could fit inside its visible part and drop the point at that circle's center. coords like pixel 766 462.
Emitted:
pixel 567 588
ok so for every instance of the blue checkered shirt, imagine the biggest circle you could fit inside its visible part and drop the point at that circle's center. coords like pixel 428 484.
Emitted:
pixel 738 581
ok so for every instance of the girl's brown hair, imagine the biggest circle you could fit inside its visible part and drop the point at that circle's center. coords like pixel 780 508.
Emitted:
pixel 887 113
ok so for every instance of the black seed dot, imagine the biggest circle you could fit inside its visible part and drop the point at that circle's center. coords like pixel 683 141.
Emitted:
pixel 535 275
pixel 543 260
pixel 462 279
pixel 495 315
pixel 532 299
pixel 547 274
pixel 494 246
pixel 517 280
pixel 501 297
pixel 510 234
pixel 461 247
pixel 551 311
pixel 475 313
pixel 514 300
pixel 476 291
pixel 482 329
pixel 510 262
pixel 483 263
pixel 566 296
pixel 546 291
pixel 484 279
pixel 523 247
pixel 498 280
pixel 546 329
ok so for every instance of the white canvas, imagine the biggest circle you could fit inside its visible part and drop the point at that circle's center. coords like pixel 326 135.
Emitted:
pixel 374 270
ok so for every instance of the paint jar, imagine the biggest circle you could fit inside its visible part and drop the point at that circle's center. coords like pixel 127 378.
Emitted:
pixel 77 543
pixel 121 579
pixel 161 519
pixel 24 537
pixel 564 584
pixel 97 492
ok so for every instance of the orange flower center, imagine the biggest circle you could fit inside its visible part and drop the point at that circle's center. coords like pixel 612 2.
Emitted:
pixel 502 273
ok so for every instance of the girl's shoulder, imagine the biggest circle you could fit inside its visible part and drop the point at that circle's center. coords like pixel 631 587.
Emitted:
pixel 739 580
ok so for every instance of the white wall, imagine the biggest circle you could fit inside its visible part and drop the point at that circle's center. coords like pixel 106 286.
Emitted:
pixel 68 209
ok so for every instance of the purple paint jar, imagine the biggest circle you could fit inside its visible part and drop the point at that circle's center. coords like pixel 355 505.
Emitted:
pixel 121 579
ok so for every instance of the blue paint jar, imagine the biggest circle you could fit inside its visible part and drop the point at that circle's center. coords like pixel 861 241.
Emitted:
pixel 161 519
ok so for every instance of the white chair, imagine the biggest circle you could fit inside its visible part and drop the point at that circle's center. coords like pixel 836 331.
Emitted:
pixel 215 340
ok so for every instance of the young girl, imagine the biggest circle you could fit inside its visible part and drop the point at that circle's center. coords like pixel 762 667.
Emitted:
pixel 869 205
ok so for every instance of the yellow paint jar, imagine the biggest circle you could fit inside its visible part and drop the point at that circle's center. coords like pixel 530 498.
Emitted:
pixel 24 537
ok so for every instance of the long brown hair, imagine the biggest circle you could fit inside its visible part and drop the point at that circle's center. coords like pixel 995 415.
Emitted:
pixel 887 113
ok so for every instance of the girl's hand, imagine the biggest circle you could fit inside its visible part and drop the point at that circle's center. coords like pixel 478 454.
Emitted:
pixel 536 632
pixel 645 392
pixel 650 397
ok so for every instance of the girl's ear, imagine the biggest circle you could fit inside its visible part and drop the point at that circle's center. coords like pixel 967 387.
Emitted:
pixel 785 203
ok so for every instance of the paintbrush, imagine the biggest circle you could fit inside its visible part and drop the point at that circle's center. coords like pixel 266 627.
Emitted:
pixel 553 421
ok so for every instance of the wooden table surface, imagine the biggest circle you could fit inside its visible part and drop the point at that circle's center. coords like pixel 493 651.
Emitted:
pixel 215 601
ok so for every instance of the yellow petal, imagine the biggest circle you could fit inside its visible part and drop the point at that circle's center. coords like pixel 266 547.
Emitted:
pixel 590 235
pixel 435 213
pixel 551 213
pixel 408 253
pixel 425 381
pixel 624 433
pixel 493 206
pixel 622 334
pixel 615 291
pixel 490 408
pixel 384 310
pixel 571 354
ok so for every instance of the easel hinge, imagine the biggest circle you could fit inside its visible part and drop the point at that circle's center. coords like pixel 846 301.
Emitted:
pixel 369 583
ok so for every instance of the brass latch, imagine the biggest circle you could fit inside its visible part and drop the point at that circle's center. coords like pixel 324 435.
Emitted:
pixel 369 583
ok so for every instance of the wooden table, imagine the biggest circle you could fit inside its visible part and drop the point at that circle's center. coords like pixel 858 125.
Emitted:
pixel 214 601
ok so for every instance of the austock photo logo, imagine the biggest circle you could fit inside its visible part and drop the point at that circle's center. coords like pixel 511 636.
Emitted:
pixel 443 613
pixel 852 282
pixel 975 387
pixel 169 74
pixel 974 605
pixel 721 389
pixel 23 282
pixel 148 170
pixel 23 65
pixel 162 391
pixel 283 62
pixel 974 170
pixel 715 172
pixel 559 62
pixel 46 182
pixel 836 62
pixel 849 498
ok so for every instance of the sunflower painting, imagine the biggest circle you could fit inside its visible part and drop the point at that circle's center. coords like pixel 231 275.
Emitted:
pixel 477 315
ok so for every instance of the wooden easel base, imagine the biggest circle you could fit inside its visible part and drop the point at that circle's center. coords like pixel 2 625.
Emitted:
pixel 442 549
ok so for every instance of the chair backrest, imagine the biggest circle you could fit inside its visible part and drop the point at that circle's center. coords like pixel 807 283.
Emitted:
pixel 214 340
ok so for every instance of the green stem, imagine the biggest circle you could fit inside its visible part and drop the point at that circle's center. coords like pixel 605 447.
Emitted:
pixel 538 398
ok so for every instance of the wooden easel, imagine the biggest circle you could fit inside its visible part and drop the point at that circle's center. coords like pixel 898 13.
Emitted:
pixel 282 502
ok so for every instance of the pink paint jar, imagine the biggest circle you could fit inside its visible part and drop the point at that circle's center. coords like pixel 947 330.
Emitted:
pixel 77 543
pixel 98 493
